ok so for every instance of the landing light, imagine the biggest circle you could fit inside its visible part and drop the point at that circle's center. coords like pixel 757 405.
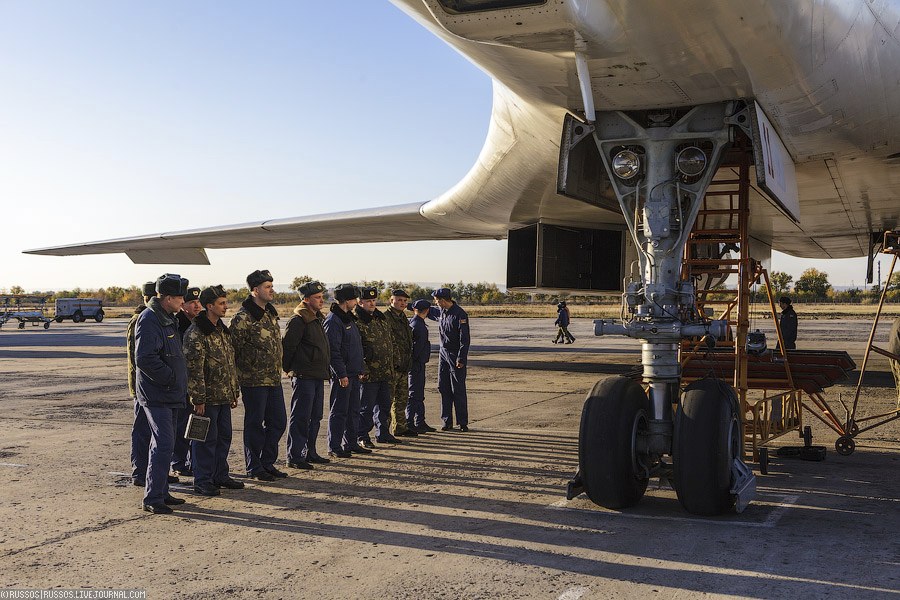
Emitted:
pixel 691 161
pixel 626 164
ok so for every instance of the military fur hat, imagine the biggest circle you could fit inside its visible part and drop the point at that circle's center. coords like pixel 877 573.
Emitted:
pixel 192 293
pixel 399 293
pixel 368 293
pixel 211 294
pixel 345 291
pixel 171 284
pixel 149 289
pixel 311 289
pixel 257 278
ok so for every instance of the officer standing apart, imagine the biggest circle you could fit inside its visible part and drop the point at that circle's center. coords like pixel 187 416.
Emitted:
pixel 347 371
pixel 257 346
pixel 421 352
pixel 161 385
pixel 213 391
pixel 140 428
pixel 181 461
pixel 306 359
pixel 401 335
pixel 378 350
pixel 454 328
pixel 788 323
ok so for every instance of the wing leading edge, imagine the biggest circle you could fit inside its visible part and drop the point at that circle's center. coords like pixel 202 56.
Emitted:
pixel 401 223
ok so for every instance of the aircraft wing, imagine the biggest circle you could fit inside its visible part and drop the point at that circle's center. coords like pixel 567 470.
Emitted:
pixel 387 224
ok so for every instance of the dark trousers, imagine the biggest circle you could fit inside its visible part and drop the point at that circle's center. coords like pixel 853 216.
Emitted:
pixel 452 386
pixel 211 457
pixel 307 400
pixel 140 443
pixel 181 458
pixel 162 444
pixel 375 409
pixel 264 423
pixel 343 419
pixel 415 405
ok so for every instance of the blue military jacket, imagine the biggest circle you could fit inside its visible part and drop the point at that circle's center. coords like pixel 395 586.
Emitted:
pixel 345 342
pixel 454 326
pixel 161 368
pixel 563 319
pixel 421 346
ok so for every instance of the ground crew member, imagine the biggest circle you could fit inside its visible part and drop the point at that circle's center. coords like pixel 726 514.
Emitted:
pixel 306 359
pixel 454 328
pixel 257 346
pixel 401 335
pixel 161 384
pixel 421 352
pixel 894 348
pixel 140 429
pixel 788 323
pixel 348 369
pixel 562 322
pixel 181 458
pixel 378 350
pixel 213 391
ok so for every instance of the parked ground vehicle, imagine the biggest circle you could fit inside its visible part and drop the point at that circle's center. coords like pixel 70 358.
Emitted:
pixel 79 309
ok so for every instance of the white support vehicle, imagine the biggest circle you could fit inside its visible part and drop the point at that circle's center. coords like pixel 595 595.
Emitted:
pixel 79 309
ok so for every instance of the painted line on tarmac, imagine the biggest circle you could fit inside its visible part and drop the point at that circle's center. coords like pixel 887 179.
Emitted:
pixel 779 510
pixel 12 465
pixel 573 593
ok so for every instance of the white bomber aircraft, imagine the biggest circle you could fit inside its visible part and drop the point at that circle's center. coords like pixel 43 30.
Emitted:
pixel 610 120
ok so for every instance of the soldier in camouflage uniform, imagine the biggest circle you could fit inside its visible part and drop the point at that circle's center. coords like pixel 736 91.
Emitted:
pixel 140 429
pixel 257 346
pixel 401 334
pixel 378 351
pixel 212 390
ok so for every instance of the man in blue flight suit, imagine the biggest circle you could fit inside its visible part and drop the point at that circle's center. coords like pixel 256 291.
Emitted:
pixel 181 458
pixel 421 352
pixel 454 328
pixel 161 383
pixel 347 370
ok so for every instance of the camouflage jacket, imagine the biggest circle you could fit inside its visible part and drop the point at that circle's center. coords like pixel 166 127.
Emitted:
pixel 129 337
pixel 401 333
pixel 378 344
pixel 212 375
pixel 257 344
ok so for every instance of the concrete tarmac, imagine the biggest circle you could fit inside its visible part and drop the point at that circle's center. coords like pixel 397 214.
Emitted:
pixel 448 515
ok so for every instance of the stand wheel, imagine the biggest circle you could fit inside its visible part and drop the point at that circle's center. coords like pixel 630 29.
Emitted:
pixel 845 445
pixel 707 440
pixel 21 324
pixel 854 428
pixel 58 319
pixel 47 325
pixel 614 471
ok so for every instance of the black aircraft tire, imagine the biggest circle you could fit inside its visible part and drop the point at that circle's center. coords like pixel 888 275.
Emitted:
pixel 605 442
pixel 99 316
pixel 707 439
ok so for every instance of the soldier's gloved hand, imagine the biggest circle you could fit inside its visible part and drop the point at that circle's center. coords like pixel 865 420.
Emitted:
pixel 199 409
pixel 344 381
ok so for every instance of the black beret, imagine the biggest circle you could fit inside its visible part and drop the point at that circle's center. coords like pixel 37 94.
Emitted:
pixel 368 293
pixel 149 289
pixel 346 291
pixel 257 278
pixel 311 288
pixel 192 294
pixel 170 284
pixel 211 294
pixel 399 293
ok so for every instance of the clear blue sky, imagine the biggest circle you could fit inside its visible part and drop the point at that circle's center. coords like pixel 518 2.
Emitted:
pixel 125 118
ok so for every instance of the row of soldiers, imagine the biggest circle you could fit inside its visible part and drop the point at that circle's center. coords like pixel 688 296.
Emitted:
pixel 184 359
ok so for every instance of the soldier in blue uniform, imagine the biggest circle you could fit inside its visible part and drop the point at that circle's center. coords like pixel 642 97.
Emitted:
pixel 421 353
pixel 161 383
pixel 140 428
pixel 347 370
pixel 454 328
pixel 181 458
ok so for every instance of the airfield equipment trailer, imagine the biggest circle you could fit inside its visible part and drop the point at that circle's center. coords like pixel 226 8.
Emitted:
pixel 79 309
pixel 24 309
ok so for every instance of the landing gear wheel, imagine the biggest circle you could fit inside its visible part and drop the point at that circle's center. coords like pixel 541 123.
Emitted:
pixel 78 317
pixel 845 445
pixel 99 316
pixel 614 468
pixel 707 440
